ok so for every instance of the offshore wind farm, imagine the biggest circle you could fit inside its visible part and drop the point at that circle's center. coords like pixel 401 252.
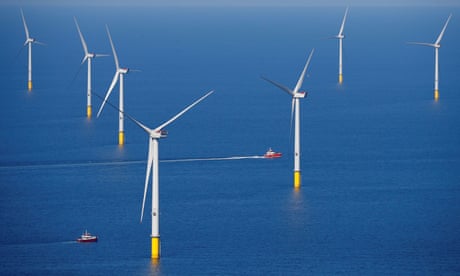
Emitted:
pixel 380 156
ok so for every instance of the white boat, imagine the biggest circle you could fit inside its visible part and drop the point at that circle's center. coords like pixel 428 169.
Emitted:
pixel 87 237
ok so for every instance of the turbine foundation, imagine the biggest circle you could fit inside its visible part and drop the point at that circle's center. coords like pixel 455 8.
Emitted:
pixel 297 179
pixel 88 111
pixel 340 78
pixel 436 94
pixel 155 247
pixel 121 138
pixel 29 85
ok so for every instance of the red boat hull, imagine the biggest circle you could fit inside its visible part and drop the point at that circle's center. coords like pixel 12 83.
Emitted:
pixel 87 240
pixel 273 155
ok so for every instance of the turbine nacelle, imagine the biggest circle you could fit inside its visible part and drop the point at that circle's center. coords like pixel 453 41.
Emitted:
pixel 29 40
pixel 122 70
pixel 90 55
pixel 158 133
pixel 300 95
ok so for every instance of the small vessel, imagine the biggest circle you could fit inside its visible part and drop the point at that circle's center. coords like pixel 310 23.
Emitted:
pixel 87 237
pixel 271 154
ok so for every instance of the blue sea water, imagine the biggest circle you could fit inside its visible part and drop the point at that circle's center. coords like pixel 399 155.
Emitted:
pixel 380 159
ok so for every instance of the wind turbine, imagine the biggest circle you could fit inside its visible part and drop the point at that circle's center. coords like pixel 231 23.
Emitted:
pixel 119 75
pixel 436 45
pixel 152 168
pixel 29 41
pixel 340 36
pixel 295 107
pixel 88 58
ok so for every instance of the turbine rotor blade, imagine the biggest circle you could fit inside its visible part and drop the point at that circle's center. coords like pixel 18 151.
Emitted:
pixel 39 43
pixel 422 44
pixel 84 59
pixel 148 130
pixel 183 111
pixel 112 85
pixel 330 37
pixel 147 175
pixel 113 48
pixel 300 81
pixel 19 52
pixel 83 43
pixel 101 55
pixel 282 87
pixel 443 30
pixel 25 25
pixel 343 23
pixel 76 74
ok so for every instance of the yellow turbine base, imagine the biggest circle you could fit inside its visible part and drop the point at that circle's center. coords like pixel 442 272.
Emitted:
pixel 155 247
pixel 29 85
pixel 340 78
pixel 436 95
pixel 88 111
pixel 121 138
pixel 297 179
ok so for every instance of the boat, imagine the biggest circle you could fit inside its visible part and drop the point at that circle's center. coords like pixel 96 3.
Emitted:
pixel 87 237
pixel 272 154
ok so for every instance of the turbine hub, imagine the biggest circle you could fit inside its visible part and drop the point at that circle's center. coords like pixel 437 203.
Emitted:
pixel 123 70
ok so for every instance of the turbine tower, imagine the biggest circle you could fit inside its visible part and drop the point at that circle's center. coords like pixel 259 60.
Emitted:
pixel 119 75
pixel 436 45
pixel 340 36
pixel 29 41
pixel 87 58
pixel 295 107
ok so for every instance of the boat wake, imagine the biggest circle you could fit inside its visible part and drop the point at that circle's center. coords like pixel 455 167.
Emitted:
pixel 129 162
pixel 213 158
pixel 38 244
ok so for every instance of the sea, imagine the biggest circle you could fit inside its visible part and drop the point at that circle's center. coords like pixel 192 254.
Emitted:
pixel 380 158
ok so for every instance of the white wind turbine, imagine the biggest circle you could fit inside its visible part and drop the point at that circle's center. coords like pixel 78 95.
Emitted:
pixel 436 45
pixel 295 107
pixel 340 36
pixel 119 74
pixel 29 41
pixel 88 58
pixel 152 167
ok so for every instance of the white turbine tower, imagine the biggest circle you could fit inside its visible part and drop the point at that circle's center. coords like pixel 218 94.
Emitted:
pixel 436 45
pixel 29 41
pixel 295 107
pixel 119 74
pixel 88 58
pixel 340 36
